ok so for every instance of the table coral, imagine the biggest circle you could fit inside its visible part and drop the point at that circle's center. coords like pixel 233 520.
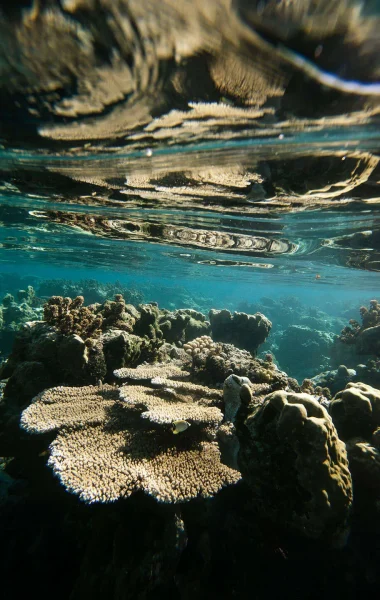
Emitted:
pixel 146 372
pixel 166 405
pixel 111 443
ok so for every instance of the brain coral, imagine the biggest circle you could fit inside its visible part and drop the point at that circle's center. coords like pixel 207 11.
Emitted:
pixel 111 443
pixel 355 410
pixel 296 466
pixel 356 415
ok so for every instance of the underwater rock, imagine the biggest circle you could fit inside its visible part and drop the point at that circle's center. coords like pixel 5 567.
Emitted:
pixel 177 326
pixel 296 466
pixel 69 358
pixel 147 324
pixel 356 415
pixel 244 331
pixel 173 326
pixel 121 348
pixel 196 326
pixel 27 379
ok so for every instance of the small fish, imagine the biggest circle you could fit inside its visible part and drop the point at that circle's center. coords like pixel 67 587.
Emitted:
pixel 179 426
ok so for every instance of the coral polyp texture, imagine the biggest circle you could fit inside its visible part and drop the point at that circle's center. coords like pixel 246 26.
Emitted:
pixel 215 361
pixel 146 372
pixel 66 406
pixel 169 404
pixel 356 414
pixel 105 464
pixel 297 468
pixel 112 442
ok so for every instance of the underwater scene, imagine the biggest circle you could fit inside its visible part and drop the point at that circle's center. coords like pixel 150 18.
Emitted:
pixel 189 299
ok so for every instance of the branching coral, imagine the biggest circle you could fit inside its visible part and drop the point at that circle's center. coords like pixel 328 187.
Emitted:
pixel 71 317
pixel 214 361
pixel 366 336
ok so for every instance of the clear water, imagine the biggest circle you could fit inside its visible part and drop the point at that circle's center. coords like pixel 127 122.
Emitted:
pixel 206 154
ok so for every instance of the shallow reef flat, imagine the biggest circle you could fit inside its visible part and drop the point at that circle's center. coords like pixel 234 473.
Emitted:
pixel 166 428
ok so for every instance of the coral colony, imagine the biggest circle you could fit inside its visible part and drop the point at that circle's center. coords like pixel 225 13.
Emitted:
pixel 178 406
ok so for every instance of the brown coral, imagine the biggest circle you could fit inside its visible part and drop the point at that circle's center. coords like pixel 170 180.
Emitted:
pixel 169 405
pixel 355 410
pixel 366 336
pixel 103 464
pixel 356 414
pixel 71 317
pixel 146 372
pixel 107 448
pixel 296 465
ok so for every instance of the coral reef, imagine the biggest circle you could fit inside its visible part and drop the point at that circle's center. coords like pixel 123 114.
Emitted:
pixel 167 438
pixel 356 411
pixel 232 395
pixel 296 466
pixel 111 443
pixel 356 414
pixel 72 317
pixel 43 356
pixel 214 361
